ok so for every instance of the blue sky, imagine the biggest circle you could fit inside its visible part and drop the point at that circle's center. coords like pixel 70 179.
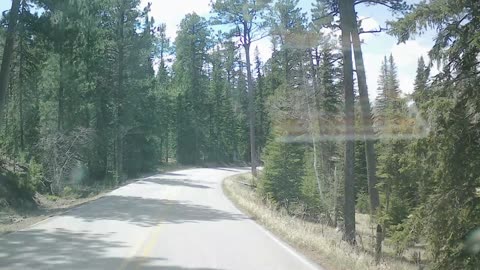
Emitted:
pixel 376 46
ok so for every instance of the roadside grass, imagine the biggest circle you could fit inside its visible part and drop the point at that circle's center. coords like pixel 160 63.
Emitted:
pixel 321 243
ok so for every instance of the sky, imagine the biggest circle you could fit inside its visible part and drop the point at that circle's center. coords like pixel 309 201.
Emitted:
pixel 375 46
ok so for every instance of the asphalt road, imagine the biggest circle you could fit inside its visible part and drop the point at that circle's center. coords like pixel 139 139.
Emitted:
pixel 179 221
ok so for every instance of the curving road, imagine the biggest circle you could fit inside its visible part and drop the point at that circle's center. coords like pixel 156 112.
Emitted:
pixel 179 221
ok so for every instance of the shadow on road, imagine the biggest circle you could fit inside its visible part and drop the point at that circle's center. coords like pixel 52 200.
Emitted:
pixel 239 169
pixel 63 249
pixel 172 174
pixel 147 212
pixel 173 182
pixel 67 249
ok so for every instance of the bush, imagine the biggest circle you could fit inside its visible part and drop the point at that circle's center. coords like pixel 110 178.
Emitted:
pixel 284 171
pixel 398 211
pixel 18 186
pixel 68 191
pixel 35 174
pixel 309 188
pixel 363 203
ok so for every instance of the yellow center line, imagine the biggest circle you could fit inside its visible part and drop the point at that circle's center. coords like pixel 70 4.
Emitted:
pixel 144 247
pixel 147 249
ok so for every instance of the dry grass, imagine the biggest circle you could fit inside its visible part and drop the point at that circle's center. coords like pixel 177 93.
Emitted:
pixel 321 243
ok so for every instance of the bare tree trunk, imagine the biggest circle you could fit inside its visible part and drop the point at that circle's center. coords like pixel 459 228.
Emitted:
pixel 167 145
pixel 312 126
pixel 368 134
pixel 349 207
pixel 61 92
pixel 251 107
pixel 335 197
pixel 8 52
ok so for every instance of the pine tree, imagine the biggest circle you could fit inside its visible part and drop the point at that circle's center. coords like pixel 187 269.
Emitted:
pixel 261 97
pixel 245 17
pixel 420 84
pixel 191 51
pixel 284 170
pixel 381 101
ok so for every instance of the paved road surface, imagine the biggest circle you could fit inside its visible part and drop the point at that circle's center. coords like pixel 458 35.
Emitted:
pixel 179 221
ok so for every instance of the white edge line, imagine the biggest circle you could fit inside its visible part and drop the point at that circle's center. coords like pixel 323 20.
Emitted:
pixel 282 244
pixel 287 247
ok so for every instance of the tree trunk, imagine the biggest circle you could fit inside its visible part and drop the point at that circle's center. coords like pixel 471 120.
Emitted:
pixel 60 94
pixel 8 52
pixel 251 109
pixel 368 133
pixel 312 127
pixel 317 105
pixel 349 207
pixel 335 197
pixel 20 99
pixel 167 145
pixel 118 131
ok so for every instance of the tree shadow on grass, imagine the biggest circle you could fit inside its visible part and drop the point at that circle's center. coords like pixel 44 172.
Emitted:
pixel 64 249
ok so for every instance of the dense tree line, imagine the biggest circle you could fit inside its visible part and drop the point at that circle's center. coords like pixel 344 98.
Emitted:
pixel 423 144
pixel 95 92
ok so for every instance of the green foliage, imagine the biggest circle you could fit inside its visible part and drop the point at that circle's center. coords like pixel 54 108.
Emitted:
pixel 447 207
pixel 86 106
pixel 284 170
pixel 309 189
pixel 363 203
pixel 35 174
pixel 192 123
pixel 67 192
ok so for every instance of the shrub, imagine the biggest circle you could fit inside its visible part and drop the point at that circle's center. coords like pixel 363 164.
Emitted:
pixel 283 171
pixel 363 203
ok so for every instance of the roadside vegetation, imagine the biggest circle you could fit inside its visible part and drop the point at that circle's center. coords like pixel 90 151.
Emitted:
pixel 93 93
pixel 319 241
pixel 32 209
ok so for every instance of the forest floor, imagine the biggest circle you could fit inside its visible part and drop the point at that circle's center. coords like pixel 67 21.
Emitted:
pixel 17 218
pixel 321 243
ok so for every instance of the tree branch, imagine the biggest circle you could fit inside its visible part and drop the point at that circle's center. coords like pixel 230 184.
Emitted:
pixel 378 2
pixel 381 29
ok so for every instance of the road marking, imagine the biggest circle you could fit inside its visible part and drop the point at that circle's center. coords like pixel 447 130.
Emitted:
pixel 143 248
pixel 274 238
pixel 132 255
pixel 147 249
pixel 288 248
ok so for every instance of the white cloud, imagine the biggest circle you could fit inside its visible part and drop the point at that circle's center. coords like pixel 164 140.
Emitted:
pixel 406 56
pixel 372 63
pixel 172 12
pixel 368 24
pixel 264 48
